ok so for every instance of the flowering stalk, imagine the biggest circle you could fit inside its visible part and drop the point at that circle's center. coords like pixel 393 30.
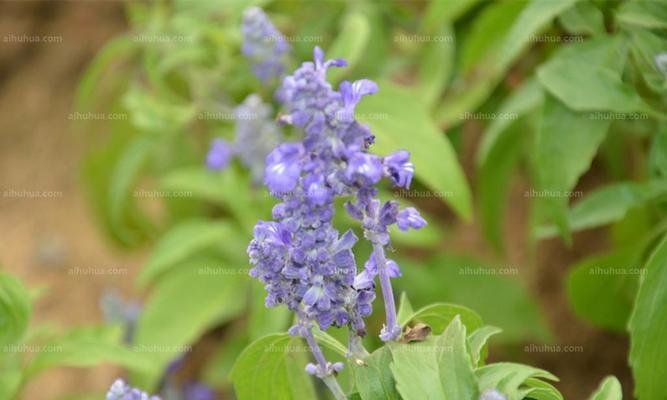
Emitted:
pixel 303 260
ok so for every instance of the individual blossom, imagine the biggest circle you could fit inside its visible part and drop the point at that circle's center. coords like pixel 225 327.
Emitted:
pixel 256 135
pixel 121 391
pixel 263 45
pixel 303 260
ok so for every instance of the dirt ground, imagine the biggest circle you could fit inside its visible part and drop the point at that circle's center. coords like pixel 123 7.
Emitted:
pixel 48 230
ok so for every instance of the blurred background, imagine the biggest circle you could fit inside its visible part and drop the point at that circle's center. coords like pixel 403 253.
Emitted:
pixel 54 239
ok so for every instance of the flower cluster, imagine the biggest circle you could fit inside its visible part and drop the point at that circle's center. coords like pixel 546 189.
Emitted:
pixel 121 391
pixel 264 45
pixel 256 135
pixel 301 257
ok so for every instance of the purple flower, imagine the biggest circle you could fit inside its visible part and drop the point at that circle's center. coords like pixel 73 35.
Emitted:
pixel 399 169
pixel 410 218
pixel 219 154
pixel 364 168
pixel 283 167
pixel 121 391
pixel 198 391
pixel 263 45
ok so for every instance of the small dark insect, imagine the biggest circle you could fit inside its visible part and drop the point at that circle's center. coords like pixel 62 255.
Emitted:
pixel 417 333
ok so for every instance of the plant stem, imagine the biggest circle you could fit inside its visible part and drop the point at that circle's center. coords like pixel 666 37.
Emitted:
pixel 387 293
pixel 327 375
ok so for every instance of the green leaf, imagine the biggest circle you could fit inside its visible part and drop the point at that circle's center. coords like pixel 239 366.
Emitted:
pixel 609 389
pixel 526 99
pixel 171 321
pixel 584 18
pixel 658 154
pixel 436 65
pixel 15 309
pixel 405 310
pixel 263 320
pixel 563 154
pixel 602 288
pixel 222 188
pixel 271 368
pixel 374 380
pixel 438 368
pixel 477 341
pixel 540 390
pixel 645 45
pixel 456 372
pixel 407 126
pixel 329 341
pixel 507 378
pixel 183 241
pixel 438 316
pixel 585 87
pixel 10 383
pixel 440 13
pixel 87 347
pixel 647 14
pixel 648 328
pixel 609 204
pixel 350 44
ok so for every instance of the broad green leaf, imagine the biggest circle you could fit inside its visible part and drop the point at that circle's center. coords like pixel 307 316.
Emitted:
pixel 585 87
pixel 182 306
pixel 87 347
pixel 271 368
pixel 645 46
pixel 602 288
pixel 10 382
pixel 373 379
pixel 658 154
pixel 183 241
pixel 350 43
pixel 460 280
pixel 440 13
pixel 436 65
pixel 563 154
pixel 454 365
pixel 407 126
pixel 263 320
pixel 405 310
pixel 15 309
pixel 125 174
pixel 495 176
pixel 584 18
pixel 438 368
pixel 609 389
pixel 609 204
pixel 222 187
pixel 649 14
pixel 648 328
pixel 507 378
pixel 540 390
pixel 439 316
pixel 477 341
pixel 526 99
